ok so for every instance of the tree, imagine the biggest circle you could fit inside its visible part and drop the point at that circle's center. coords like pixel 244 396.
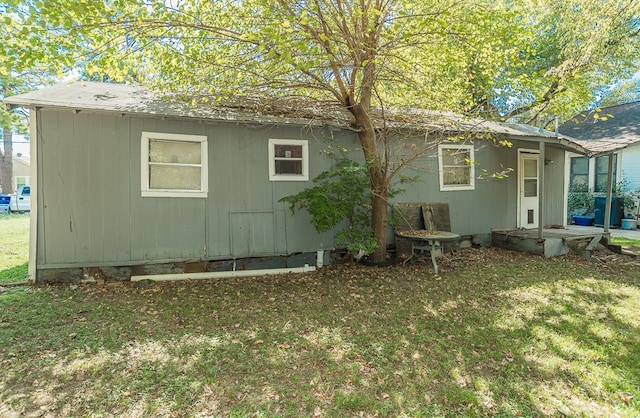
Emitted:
pixel 626 91
pixel 500 58
pixel 569 52
pixel 356 54
pixel 9 121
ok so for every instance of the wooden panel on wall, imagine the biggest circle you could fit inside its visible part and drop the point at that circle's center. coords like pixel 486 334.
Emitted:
pixel 253 233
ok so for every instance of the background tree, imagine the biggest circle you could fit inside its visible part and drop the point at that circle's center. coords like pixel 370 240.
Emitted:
pixel 626 91
pixel 563 56
pixel 10 121
pixel 502 59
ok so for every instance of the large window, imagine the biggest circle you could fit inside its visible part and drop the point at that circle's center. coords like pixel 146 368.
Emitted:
pixel 591 174
pixel 456 167
pixel 174 165
pixel 579 175
pixel 288 160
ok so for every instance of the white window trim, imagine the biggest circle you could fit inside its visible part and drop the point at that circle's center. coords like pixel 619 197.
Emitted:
pixel 305 160
pixel 472 170
pixel 145 189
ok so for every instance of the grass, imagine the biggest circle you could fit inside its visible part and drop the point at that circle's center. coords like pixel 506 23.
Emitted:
pixel 496 334
pixel 626 242
pixel 14 247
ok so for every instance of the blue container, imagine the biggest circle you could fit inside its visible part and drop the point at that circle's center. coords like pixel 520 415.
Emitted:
pixel 4 202
pixel 583 220
pixel 617 210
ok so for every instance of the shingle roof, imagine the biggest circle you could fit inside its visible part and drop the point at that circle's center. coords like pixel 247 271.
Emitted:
pixel 127 99
pixel 606 129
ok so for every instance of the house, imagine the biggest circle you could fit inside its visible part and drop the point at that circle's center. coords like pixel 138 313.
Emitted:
pixel 131 183
pixel 614 131
pixel 21 171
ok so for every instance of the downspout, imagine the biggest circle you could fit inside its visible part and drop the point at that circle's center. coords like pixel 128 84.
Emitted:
pixel 607 204
pixel 541 195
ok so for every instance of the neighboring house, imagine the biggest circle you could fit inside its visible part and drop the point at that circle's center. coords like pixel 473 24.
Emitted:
pixel 128 183
pixel 615 128
pixel 21 171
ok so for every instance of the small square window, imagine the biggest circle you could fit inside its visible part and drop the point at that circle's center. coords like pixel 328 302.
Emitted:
pixel 456 169
pixel 174 165
pixel 288 160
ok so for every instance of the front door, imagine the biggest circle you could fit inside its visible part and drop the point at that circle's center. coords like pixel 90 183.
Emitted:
pixel 528 190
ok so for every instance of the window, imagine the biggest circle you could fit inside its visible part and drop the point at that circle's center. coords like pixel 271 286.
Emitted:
pixel 456 168
pixel 288 160
pixel 602 169
pixel 174 165
pixel 22 181
pixel 579 174
pixel 591 174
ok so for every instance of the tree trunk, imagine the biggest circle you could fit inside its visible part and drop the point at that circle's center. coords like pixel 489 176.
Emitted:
pixel 378 179
pixel 6 162
pixel 379 215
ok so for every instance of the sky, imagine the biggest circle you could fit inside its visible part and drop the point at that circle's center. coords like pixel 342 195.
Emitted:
pixel 20 144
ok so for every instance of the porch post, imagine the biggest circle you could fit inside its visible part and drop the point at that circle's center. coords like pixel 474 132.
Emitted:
pixel 541 159
pixel 607 204
pixel 35 195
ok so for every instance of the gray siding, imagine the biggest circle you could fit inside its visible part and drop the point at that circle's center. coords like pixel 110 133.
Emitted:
pixel 492 203
pixel 92 213
pixel 554 172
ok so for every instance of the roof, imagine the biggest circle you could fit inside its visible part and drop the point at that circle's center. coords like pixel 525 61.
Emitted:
pixel 606 129
pixel 22 158
pixel 138 100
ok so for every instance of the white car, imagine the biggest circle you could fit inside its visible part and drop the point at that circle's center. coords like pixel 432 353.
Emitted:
pixel 21 201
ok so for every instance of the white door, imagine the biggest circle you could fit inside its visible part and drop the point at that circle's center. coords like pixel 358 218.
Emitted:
pixel 528 190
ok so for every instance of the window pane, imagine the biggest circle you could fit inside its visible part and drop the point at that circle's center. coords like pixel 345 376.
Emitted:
pixel 602 164
pixel 579 165
pixel 455 156
pixel 530 188
pixel 174 177
pixel 288 151
pixel 601 183
pixel 288 167
pixel 456 175
pixel 602 169
pixel 580 182
pixel 530 168
pixel 179 152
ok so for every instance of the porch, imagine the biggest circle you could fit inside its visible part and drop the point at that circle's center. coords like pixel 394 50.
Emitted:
pixel 555 241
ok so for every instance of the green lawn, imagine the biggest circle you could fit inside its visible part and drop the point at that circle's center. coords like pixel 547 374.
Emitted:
pixel 497 334
pixel 14 247
pixel 628 243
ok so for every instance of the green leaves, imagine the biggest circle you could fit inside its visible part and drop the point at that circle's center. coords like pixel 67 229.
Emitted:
pixel 340 195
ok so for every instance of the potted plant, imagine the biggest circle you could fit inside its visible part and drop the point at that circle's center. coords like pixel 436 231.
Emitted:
pixel 581 205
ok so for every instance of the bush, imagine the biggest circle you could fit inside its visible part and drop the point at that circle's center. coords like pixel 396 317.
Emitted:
pixel 340 194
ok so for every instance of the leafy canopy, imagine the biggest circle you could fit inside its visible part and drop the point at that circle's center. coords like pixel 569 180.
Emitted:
pixel 502 58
